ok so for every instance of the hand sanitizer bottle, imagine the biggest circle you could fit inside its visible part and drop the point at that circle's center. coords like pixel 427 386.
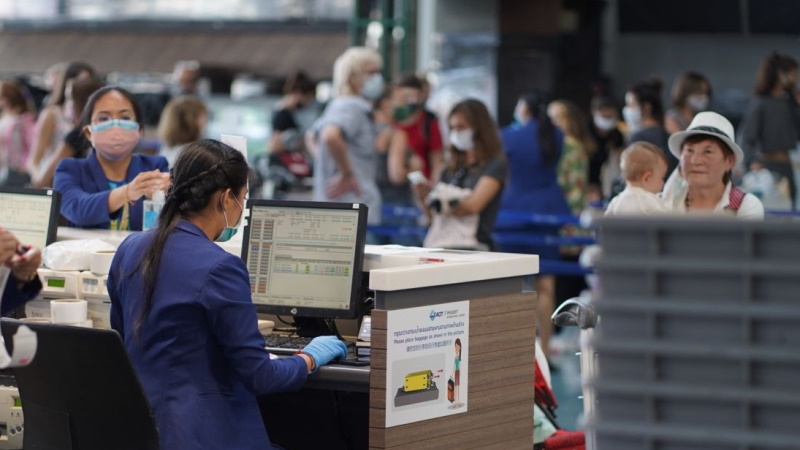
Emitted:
pixel 152 208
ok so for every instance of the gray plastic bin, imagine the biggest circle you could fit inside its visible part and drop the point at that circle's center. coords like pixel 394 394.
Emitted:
pixel 699 340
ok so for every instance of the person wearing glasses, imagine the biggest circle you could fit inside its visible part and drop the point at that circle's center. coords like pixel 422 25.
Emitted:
pixel 106 189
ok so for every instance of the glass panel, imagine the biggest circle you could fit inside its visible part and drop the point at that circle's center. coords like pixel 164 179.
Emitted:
pixel 256 10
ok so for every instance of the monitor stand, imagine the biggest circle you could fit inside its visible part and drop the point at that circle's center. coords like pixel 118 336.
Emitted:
pixel 315 326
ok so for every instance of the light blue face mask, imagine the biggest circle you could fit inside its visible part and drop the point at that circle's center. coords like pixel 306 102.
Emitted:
pixel 230 231
pixel 129 125
pixel 373 87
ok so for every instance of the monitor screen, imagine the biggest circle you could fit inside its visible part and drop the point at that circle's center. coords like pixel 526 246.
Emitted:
pixel 31 214
pixel 305 258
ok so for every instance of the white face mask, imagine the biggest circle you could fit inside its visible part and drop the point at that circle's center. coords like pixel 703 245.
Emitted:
pixel 462 140
pixel 633 117
pixel 373 87
pixel 697 102
pixel 604 123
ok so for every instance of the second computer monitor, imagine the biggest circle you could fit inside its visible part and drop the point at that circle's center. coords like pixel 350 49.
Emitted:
pixel 305 258
pixel 31 214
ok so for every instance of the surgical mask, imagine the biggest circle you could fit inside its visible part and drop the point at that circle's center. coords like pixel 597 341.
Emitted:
pixel 633 117
pixel 697 102
pixel 373 87
pixel 462 140
pixel 605 123
pixel 402 113
pixel 115 139
pixel 230 231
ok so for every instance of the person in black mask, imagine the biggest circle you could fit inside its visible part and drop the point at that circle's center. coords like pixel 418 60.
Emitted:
pixel 422 127
pixel 298 91
pixel 771 126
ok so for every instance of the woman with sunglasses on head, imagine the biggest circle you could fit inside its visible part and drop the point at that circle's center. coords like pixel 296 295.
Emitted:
pixel 106 189
pixel 182 305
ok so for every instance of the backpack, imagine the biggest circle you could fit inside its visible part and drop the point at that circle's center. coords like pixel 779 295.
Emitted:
pixel 735 199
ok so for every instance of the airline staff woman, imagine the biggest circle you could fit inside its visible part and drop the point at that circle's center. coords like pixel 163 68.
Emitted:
pixel 182 305
pixel 105 189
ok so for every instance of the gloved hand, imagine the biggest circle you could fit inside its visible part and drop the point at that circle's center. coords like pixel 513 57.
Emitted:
pixel 324 349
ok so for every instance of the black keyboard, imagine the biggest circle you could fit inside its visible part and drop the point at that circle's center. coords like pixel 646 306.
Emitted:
pixel 283 344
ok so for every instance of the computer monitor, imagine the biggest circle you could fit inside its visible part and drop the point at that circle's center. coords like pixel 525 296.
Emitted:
pixel 31 214
pixel 305 258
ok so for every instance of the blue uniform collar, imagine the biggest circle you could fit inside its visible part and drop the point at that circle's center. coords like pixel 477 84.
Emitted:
pixel 100 178
pixel 191 228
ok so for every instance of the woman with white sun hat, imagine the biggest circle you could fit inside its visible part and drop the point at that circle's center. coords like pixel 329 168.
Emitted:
pixel 702 183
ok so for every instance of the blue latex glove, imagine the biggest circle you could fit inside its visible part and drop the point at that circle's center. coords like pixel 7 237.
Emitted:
pixel 324 349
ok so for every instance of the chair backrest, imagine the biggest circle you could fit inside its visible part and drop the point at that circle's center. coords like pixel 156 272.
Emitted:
pixel 81 392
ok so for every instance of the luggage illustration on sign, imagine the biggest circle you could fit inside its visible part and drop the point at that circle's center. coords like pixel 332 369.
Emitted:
pixel 451 385
pixel 417 387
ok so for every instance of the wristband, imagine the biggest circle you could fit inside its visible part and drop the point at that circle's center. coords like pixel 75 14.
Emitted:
pixel 313 363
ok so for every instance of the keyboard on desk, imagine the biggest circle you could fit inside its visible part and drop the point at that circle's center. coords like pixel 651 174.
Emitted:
pixel 283 344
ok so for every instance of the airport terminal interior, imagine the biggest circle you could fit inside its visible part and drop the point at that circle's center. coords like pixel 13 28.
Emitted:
pixel 399 224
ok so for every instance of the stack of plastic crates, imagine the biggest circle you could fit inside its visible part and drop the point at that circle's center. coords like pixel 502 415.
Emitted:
pixel 698 343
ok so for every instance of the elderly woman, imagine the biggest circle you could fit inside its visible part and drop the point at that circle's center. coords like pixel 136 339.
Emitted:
pixel 345 134
pixel 707 154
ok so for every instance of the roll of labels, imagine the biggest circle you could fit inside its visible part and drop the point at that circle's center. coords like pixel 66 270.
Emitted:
pixel 70 312
pixel 100 261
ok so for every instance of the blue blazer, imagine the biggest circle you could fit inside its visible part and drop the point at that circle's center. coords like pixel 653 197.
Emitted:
pixel 84 190
pixel 13 296
pixel 533 181
pixel 199 354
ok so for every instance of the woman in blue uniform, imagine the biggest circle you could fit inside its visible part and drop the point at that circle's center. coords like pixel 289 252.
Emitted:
pixel 182 305
pixel 533 148
pixel 105 189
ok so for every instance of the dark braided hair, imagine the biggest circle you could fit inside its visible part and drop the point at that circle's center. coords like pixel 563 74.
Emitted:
pixel 204 168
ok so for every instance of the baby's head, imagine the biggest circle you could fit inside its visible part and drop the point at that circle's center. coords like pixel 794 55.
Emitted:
pixel 644 166
pixel 756 165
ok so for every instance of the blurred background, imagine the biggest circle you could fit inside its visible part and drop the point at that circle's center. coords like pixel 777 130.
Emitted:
pixel 494 50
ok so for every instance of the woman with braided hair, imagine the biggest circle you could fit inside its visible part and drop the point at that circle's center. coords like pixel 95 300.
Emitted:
pixel 182 305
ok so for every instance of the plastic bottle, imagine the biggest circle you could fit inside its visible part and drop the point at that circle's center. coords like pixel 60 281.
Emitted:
pixel 152 208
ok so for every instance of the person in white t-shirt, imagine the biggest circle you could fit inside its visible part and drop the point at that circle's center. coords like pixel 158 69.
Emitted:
pixel 643 167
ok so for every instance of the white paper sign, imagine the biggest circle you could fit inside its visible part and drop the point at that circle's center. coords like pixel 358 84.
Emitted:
pixel 427 360
pixel 237 142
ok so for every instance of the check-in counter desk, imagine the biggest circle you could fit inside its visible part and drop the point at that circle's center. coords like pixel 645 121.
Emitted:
pixel 344 407
pixel 501 345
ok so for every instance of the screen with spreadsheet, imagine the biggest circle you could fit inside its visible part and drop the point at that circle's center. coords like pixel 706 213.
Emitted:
pixel 31 214
pixel 305 258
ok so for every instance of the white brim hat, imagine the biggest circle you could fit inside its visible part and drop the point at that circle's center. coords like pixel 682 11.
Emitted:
pixel 711 124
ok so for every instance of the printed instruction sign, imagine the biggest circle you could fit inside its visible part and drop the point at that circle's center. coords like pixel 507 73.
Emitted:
pixel 427 362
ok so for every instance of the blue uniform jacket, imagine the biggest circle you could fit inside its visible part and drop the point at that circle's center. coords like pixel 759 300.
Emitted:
pixel 84 190
pixel 13 296
pixel 533 183
pixel 199 354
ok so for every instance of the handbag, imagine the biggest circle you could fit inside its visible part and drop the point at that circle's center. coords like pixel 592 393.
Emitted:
pixel 447 230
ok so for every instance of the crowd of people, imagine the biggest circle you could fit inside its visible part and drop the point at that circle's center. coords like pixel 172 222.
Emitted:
pixel 375 143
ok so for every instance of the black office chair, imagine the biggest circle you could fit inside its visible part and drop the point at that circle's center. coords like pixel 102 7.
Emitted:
pixel 81 392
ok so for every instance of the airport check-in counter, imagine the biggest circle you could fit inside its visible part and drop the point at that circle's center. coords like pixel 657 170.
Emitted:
pixel 348 404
